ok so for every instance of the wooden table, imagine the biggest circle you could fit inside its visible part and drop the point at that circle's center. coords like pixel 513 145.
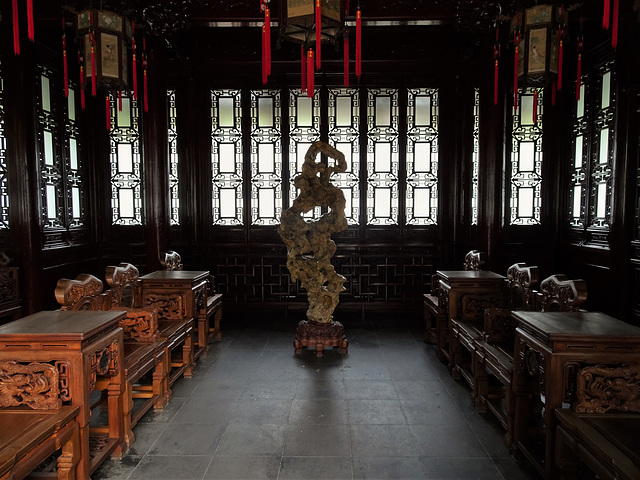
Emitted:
pixel 85 347
pixel 182 293
pixel 454 286
pixel 550 347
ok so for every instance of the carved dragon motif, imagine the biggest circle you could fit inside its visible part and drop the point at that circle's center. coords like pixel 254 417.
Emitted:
pixel 33 384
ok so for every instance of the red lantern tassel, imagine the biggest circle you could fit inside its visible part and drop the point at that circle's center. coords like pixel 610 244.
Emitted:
pixel 534 114
pixel 16 28
pixel 318 34
pixel 30 19
pixel 65 68
pixel 303 69
pixel 560 60
pixel 515 80
pixel 605 14
pixel 119 100
pixel 346 59
pixel 310 73
pixel 107 106
pixel 579 76
pixel 82 101
pixel 264 57
pixel 614 29
pixel 134 63
pixel 495 82
pixel 358 43
pixel 144 74
pixel 267 32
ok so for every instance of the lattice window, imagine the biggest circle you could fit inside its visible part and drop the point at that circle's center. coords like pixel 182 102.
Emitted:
pixel 344 134
pixel 304 129
pixel 382 156
pixel 526 159
pixel 422 156
pixel 580 161
pixel 76 201
pixel 4 187
pixel 226 157
pixel 475 156
pixel 173 157
pixel 126 167
pixel 266 157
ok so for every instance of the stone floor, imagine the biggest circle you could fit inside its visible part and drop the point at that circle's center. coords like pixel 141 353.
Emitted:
pixel 255 410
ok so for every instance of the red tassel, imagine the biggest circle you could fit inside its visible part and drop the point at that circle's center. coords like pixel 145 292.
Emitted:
pixel 264 56
pixel 134 63
pixel 534 114
pixel 358 43
pixel 605 14
pixel 93 57
pixel 303 69
pixel 515 80
pixel 65 68
pixel 495 82
pixel 81 62
pixel 553 93
pixel 310 73
pixel 560 59
pixel 16 28
pixel 146 96
pixel 614 29
pixel 318 34
pixel 267 31
pixel 30 19
pixel 144 74
pixel 579 79
pixel 119 100
pixel 346 59
pixel 107 105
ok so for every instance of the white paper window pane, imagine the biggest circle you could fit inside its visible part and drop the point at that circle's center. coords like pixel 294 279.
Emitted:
pixel 578 153
pixel 382 202
pixel 525 202
pixel 71 104
pixel 265 158
pixel 51 202
pixel 265 112
pixel 423 111
pixel 421 202
pixel 526 109
pixel 343 111
pixel 577 200
pixel 345 148
pixel 124 116
pixel 383 156
pixel 126 202
pixel 227 160
pixel 347 196
pixel 266 202
pixel 422 157
pixel 48 148
pixel 125 158
pixel 580 106
pixel 606 89
pixel 225 106
pixel 383 110
pixel 304 118
pixel 228 202
pixel 75 202
pixel 602 200
pixel 73 153
pixel 46 95
pixel 302 150
pixel 527 152
pixel 604 146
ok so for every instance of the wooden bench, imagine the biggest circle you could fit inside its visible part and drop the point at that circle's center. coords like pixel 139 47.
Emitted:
pixel 145 362
pixel 600 431
pixel 35 424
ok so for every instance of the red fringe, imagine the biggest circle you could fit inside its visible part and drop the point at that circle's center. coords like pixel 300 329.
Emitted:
pixel 495 82
pixel 614 29
pixel 534 114
pixel 267 30
pixel 82 101
pixel 107 105
pixel 310 73
pixel 65 68
pixel 134 63
pixel 30 19
pixel 93 57
pixel 146 95
pixel 515 79
pixel 579 76
pixel 346 60
pixel 318 34
pixel 264 56
pixel 605 14
pixel 144 74
pixel 16 28
pixel 119 100
pixel 303 69
pixel 560 60
pixel 358 43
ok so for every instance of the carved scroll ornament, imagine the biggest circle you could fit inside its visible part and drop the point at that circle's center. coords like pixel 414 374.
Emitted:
pixel 33 384
pixel 139 325
pixel 169 306
pixel 601 388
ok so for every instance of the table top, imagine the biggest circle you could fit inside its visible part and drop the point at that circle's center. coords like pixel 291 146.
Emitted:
pixel 577 325
pixel 461 275
pixel 60 325
pixel 175 275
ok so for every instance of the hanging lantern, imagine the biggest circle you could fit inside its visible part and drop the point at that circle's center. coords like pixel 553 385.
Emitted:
pixel 539 44
pixel 301 17
pixel 104 38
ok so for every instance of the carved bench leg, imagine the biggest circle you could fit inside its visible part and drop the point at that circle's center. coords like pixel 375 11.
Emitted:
pixel 70 456
pixel 161 383
pixel 480 385
pixel 187 356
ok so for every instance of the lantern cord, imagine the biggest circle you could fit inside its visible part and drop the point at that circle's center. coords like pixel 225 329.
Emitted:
pixel 134 62
pixel 358 43
pixel 310 74
pixel 318 34
pixel 264 56
pixel 65 67
pixel 267 31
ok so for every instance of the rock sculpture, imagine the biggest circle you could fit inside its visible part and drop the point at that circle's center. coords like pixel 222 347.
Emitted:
pixel 310 248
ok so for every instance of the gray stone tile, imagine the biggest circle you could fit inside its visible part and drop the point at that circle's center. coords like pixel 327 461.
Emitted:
pixel 145 435
pixel 320 468
pixel 258 411
pixel 270 389
pixel 447 441
pixel 371 389
pixel 320 388
pixel 376 412
pixel 317 440
pixel 320 411
pixel 187 467
pixel 205 411
pixel 419 412
pixel 428 390
pixel 461 468
pixel 382 440
pixel 188 439
pixel 401 468
pixel 252 440
pixel 114 469
pixel 243 468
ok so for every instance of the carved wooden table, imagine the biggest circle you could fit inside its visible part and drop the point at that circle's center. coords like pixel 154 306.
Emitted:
pixel 179 294
pixel 454 285
pixel 85 348
pixel 550 348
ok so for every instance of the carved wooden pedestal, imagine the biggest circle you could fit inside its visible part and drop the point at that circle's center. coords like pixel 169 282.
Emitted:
pixel 320 335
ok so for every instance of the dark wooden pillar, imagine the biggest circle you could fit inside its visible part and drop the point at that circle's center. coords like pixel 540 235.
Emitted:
pixel 156 155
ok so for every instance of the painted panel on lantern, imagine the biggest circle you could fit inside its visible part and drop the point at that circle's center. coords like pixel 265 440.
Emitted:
pixel 601 209
pixel 304 117
pixel 537 50
pixel 126 202
pixel 265 112
pixel 343 111
pixel 382 156
pixel 423 111
pixel 225 112
pixel 526 109
pixel 580 105
pixel 525 202
pixel 606 90
pixel 75 202
pixel 578 153
pixel 383 110
pixel 71 105
pixel 422 157
pixel 265 158
pixel 228 202
pixel 109 50
pixel 124 115
pixel 527 153
pixel 73 153
pixel 604 146
pixel 51 202
pixel 125 158
pixel 382 208
pixel 48 148
pixel 46 93
pixel 422 202
pixel 266 202
pixel 227 160
pixel 577 201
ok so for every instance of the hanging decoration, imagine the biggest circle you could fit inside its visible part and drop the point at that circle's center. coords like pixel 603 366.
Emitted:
pixel 562 28
pixel 65 68
pixel 266 41
pixel 30 30
pixel 318 28
pixel 81 63
pixel 134 64
pixel 144 74
pixel 264 57
pixel 496 56
pixel 534 113
pixel 579 48
pixel 310 74
pixel 358 42
pixel 605 14
pixel 614 27
pixel 16 27
pixel 107 108
pixel 516 61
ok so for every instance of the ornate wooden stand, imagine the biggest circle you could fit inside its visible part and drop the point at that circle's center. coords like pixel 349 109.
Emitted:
pixel 320 335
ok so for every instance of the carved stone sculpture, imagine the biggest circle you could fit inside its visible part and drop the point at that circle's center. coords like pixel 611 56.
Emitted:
pixel 310 248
